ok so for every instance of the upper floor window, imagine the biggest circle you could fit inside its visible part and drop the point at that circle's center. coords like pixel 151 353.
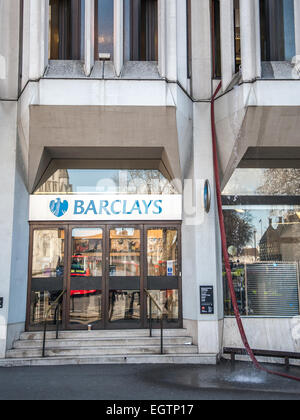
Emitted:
pixel 66 29
pixel 277 30
pixel 189 37
pixel 104 29
pixel 237 36
pixel 216 22
pixel 140 30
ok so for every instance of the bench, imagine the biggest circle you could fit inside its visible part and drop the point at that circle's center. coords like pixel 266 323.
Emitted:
pixel 263 353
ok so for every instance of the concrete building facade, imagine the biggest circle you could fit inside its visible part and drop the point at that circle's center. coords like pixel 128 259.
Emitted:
pixel 114 104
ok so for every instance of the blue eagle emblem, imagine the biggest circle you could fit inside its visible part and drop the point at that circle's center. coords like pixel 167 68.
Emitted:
pixel 58 207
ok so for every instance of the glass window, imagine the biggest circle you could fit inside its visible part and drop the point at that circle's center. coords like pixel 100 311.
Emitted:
pixel 217 39
pixel 189 37
pixel 264 248
pixel 140 30
pixel 124 305
pixel 86 265
pixel 268 182
pixel 66 29
pixel 237 35
pixel 104 28
pixel 263 241
pixel 277 30
pixel 98 181
pixel 125 252
pixel 47 273
pixel 162 252
pixel 168 301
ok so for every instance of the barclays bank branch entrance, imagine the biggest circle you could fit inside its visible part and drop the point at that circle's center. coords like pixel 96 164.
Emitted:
pixel 103 255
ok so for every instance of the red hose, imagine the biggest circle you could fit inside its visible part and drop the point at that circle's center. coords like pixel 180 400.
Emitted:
pixel 224 247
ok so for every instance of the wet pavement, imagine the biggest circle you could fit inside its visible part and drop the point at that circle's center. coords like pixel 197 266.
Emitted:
pixel 147 382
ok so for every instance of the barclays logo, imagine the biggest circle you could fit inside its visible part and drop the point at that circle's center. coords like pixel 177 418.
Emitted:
pixel 58 207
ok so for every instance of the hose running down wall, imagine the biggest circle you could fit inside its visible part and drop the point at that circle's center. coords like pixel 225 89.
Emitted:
pixel 225 251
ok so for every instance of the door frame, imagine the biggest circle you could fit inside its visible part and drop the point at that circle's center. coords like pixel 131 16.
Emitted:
pixel 106 226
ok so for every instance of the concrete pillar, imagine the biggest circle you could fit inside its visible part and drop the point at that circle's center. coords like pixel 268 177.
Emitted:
pixel 171 39
pixel 9 48
pixel 297 25
pixel 8 123
pixel 118 36
pixel 38 38
pixel 227 42
pixel 201 49
pixel 202 262
pixel 162 37
pixel 258 44
pixel 248 39
pixel 89 36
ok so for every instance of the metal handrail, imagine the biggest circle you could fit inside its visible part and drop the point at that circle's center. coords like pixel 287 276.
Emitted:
pixel 56 303
pixel 161 320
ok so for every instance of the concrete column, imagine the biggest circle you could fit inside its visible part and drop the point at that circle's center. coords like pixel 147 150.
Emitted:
pixel 248 39
pixel 89 36
pixel 258 44
pixel 38 39
pixel 227 42
pixel 202 262
pixel 118 36
pixel 297 25
pixel 8 132
pixel 162 37
pixel 201 50
pixel 9 48
pixel 171 39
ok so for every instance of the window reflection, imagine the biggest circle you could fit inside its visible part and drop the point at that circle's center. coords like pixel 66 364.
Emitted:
pixel 101 181
pixel 48 253
pixel 85 307
pixel 168 302
pixel 86 253
pixel 125 252
pixel 40 305
pixel 257 181
pixel 124 305
pixel 104 20
pixel 86 264
pixel 162 252
pixel 264 249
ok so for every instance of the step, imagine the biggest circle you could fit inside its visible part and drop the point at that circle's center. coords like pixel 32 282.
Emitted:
pixel 99 351
pixel 98 342
pixel 103 334
pixel 202 359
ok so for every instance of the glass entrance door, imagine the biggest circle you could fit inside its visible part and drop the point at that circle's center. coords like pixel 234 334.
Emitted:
pixel 104 271
pixel 85 290
pixel 124 286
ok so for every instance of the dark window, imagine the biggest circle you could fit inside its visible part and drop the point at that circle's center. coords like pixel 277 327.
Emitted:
pixel 104 29
pixel 237 35
pixel 277 30
pixel 141 30
pixel 216 22
pixel 66 28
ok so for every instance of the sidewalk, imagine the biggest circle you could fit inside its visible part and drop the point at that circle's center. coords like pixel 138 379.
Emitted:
pixel 146 382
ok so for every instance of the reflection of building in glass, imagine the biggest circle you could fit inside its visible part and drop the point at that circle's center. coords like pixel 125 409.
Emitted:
pixel 59 182
pixel 282 243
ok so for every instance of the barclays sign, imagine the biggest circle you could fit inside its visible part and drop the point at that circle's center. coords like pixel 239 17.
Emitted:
pixel 100 207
